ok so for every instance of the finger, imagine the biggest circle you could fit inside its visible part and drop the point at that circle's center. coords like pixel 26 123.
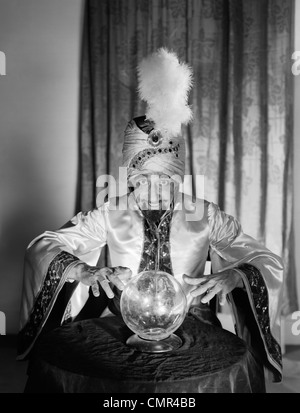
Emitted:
pixel 106 287
pixel 212 292
pixel 115 280
pixel 203 288
pixel 124 274
pixel 193 280
pixel 104 271
pixel 95 289
pixel 102 276
pixel 222 300
pixel 122 270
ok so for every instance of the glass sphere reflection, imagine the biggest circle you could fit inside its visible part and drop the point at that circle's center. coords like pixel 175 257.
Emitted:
pixel 153 305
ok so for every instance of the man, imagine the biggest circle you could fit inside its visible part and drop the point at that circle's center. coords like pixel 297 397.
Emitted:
pixel 159 228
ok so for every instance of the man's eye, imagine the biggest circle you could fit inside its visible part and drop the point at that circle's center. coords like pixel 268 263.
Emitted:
pixel 164 182
pixel 143 182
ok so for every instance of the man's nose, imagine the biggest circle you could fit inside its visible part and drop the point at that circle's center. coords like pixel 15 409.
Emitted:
pixel 155 193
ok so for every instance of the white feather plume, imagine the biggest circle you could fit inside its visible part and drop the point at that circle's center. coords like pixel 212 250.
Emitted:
pixel 164 83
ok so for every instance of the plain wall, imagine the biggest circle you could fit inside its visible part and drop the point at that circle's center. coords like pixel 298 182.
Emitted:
pixel 39 108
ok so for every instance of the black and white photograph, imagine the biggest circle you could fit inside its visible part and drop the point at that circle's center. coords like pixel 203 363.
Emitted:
pixel 150 204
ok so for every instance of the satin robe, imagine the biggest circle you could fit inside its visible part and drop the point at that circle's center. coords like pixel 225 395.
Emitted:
pixel 50 258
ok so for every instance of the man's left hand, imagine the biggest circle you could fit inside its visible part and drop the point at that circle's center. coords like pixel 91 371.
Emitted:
pixel 220 283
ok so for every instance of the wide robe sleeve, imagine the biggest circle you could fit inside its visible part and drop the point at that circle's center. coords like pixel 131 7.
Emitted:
pixel 49 259
pixel 257 307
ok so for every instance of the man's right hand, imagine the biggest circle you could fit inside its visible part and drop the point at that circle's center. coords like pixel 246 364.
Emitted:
pixel 95 276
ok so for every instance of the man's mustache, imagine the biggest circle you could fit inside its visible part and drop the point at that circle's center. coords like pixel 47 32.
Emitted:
pixel 154 206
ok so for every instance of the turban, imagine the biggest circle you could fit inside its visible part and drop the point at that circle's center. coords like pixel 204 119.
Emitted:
pixel 153 143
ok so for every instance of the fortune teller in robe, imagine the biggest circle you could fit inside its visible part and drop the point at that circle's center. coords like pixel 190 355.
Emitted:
pixel 156 228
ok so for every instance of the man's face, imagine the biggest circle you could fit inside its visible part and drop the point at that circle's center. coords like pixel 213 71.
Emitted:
pixel 153 191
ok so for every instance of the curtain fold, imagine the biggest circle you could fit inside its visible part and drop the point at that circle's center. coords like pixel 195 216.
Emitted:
pixel 241 138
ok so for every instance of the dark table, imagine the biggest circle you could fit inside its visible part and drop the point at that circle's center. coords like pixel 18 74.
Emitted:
pixel 91 356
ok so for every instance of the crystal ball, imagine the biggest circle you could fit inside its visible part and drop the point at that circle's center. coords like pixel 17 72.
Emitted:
pixel 153 305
